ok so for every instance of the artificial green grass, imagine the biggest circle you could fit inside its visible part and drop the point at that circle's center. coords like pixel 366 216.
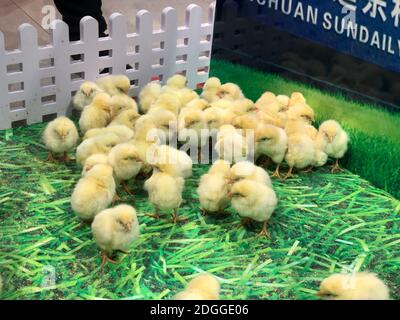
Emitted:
pixel 324 223
pixel 374 132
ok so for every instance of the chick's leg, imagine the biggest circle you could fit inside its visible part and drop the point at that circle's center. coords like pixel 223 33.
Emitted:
pixel 336 167
pixel 50 157
pixel 176 218
pixel 289 174
pixel 264 231
pixel 106 259
pixel 156 214
pixel 126 188
pixel 116 198
pixel 276 172
pixel 66 159
pixel 309 169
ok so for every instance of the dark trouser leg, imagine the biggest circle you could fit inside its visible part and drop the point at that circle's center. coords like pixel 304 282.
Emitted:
pixel 73 11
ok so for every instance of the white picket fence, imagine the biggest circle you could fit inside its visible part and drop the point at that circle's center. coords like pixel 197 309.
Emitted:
pixel 39 81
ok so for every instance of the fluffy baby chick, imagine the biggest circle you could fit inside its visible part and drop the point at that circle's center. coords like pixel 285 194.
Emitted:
pixel 283 101
pixel 243 106
pixel 126 162
pixel 94 160
pixel 84 96
pixel 94 192
pixel 272 142
pixel 336 141
pixel 296 98
pixel 149 95
pixel 202 287
pixel 60 136
pixel 216 117
pixel 231 146
pixel 211 90
pixel 123 132
pixel 213 188
pixel 122 102
pixel 126 118
pixel 115 229
pixel 301 152
pixel 245 170
pixel 298 116
pixel 246 124
pixel 165 191
pixel 199 104
pixel 99 144
pixel 358 286
pixel 173 161
pixel 164 120
pixel 265 100
pixel 114 84
pixel 98 114
pixel 255 201
pixel 192 128
pixel 230 91
pixel 168 102
pixel 176 86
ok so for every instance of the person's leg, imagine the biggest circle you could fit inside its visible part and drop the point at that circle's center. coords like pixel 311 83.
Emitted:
pixel 73 11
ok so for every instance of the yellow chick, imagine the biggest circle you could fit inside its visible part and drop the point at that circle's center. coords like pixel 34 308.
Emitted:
pixel 296 98
pixel 122 102
pixel 265 100
pixel 300 154
pixel 114 84
pixel 123 132
pixel 230 91
pixel 164 120
pixel 213 188
pixel 298 116
pixel 126 118
pixel 94 192
pixel 357 286
pixel 165 191
pixel 283 102
pixel 98 114
pixel 243 106
pixel 246 170
pixel 60 136
pixel 199 104
pixel 173 161
pixel 115 229
pixel 255 201
pixel 336 141
pixel 272 142
pixel 84 96
pixel 99 144
pixel 246 124
pixel 126 162
pixel 202 287
pixel 216 117
pixel 231 146
pixel 149 95
pixel 168 102
pixel 192 128
pixel 177 81
pixel 95 159
pixel 211 90
pixel 176 86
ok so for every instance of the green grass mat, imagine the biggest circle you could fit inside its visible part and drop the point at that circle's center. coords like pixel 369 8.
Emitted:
pixel 324 223
pixel 375 149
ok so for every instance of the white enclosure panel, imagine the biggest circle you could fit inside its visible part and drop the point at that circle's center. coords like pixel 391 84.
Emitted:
pixel 39 81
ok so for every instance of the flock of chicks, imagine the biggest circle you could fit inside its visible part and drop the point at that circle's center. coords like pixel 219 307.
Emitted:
pixel 117 144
